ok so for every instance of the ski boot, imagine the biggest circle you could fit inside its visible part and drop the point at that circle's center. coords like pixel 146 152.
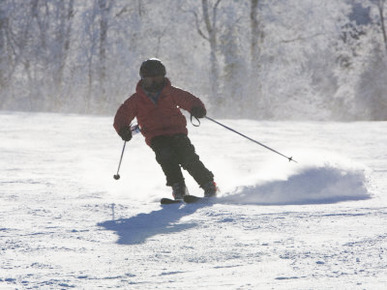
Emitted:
pixel 210 189
pixel 179 190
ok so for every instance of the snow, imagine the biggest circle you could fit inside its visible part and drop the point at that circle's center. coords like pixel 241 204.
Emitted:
pixel 66 223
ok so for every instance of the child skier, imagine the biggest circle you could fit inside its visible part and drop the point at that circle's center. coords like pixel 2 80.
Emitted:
pixel 156 106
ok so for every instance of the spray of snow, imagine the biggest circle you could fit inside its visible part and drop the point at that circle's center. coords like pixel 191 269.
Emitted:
pixel 320 177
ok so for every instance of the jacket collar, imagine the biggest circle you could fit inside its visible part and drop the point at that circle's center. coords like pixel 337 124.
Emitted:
pixel 140 90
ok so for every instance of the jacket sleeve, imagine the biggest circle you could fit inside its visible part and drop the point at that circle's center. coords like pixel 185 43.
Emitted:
pixel 186 100
pixel 125 114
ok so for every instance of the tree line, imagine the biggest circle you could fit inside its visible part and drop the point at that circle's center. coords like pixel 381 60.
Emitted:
pixel 261 59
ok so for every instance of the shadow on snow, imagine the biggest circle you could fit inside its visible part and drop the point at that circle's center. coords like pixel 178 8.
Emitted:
pixel 139 228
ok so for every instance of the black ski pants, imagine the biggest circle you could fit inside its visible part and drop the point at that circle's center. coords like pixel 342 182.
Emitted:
pixel 174 152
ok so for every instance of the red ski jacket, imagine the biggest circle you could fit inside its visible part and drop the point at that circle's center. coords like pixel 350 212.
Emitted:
pixel 163 118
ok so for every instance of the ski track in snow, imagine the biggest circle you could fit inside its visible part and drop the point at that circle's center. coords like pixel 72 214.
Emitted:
pixel 66 223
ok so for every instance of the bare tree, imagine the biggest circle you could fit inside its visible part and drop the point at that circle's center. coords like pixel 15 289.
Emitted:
pixel 103 32
pixel 210 21
pixel 257 34
pixel 64 10
pixel 95 46
pixel 381 4
pixel 63 37
pixel 4 64
pixel 257 38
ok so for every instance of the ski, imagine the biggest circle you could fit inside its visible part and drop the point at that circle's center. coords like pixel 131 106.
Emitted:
pixel 187 199
pixel 195 199
pixel 167 200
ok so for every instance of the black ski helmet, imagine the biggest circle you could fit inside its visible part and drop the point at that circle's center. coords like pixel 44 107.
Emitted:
pixel 152 67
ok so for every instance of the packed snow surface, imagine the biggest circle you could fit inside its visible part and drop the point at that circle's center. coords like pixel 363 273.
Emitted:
pixel 316 224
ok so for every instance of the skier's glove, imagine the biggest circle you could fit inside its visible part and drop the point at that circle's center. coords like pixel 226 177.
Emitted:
pixel 198 111
pixel 125 133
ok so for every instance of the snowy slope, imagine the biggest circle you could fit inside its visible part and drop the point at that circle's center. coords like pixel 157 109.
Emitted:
pixel 318 224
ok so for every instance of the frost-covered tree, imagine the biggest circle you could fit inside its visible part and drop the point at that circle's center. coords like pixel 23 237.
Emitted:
pixel 256 45
pixel 371 97
pixel 235 80
pixel 207 26
pixel 5 48
pixel 296 35
pixel 277 59
pixel 381 6
pixel 370 102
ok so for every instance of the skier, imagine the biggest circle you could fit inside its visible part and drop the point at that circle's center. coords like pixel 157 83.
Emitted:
pixel 156 105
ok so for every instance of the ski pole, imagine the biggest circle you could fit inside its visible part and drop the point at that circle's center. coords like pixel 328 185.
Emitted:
pixel 117 176
pixel 255 141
